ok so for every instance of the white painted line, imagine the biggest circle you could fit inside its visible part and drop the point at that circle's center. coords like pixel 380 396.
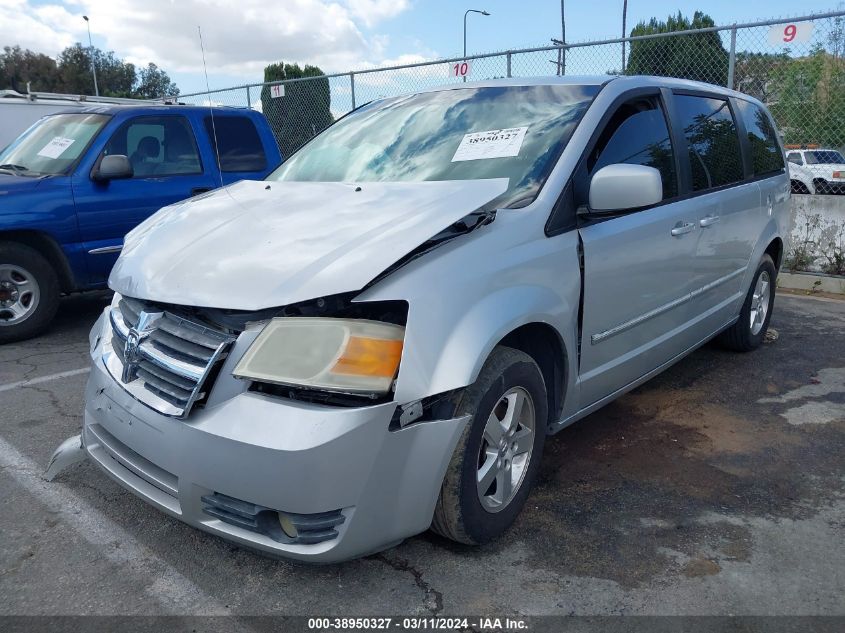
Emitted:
pixel 173 591
pixel 39 380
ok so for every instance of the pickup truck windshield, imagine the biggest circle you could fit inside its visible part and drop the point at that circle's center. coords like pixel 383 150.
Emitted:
pixel 824 157
pixel 514 132
pixel 52 145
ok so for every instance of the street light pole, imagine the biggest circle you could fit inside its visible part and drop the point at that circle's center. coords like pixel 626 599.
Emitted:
pixel 468 11
pixel 91 53
pixel 624 31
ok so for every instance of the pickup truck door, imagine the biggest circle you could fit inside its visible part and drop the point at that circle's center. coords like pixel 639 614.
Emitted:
pixel 163 152
pixel 639 266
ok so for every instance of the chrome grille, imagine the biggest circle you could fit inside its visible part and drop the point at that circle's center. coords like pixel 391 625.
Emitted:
pixel 168 364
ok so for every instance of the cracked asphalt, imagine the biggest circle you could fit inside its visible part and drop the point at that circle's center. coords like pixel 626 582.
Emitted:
pixel 717 488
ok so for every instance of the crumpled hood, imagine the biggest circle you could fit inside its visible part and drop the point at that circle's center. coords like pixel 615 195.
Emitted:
pixel 256 245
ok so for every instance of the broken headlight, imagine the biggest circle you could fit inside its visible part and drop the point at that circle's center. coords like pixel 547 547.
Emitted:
pixel 355 356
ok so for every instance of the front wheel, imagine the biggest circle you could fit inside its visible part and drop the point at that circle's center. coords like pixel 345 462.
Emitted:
pixel 498 456
pixel 748 332
pixel 29 292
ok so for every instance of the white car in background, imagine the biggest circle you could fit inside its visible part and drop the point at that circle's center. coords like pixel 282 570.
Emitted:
pixel 827 167
pixel 801 179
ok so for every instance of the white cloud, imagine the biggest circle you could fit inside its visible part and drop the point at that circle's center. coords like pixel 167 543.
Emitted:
pixel 240 38
pixel 371 12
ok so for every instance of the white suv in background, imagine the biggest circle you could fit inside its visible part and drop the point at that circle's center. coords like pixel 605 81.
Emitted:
pixel 827 167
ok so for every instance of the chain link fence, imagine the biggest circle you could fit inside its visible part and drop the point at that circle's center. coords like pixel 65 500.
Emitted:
pixel 796 66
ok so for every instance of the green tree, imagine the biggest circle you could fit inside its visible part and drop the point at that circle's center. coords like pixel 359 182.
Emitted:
pixel 153 82
pixel 71 73
pixel 808 100
pixel 698 56
pixel 114 77
pixel 17 67
pixel 303 111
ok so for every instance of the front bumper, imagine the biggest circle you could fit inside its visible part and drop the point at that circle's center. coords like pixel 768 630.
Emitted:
pixel 289 456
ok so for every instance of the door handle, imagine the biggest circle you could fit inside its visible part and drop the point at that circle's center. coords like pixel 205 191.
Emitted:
pixel 708 220
pixel 198 190
pixel 680 228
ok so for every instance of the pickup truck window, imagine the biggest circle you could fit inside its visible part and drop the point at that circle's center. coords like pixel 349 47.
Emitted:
pixel 514 132
pixel 794 157
pixel 766 155
pixel 714 153
pixel 238 143
pixel 157 146
pixel 824 157
pixel 637 134
pixel 51 146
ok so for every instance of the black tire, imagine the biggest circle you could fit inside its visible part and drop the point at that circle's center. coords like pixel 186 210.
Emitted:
pixel 740 337
pixel 798 187
pixel 459 514
pixel 822 186
pixel 48 286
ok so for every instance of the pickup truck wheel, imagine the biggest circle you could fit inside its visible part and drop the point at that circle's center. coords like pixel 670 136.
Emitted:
pixel 748 332
pixel 498 456
pixel 29 292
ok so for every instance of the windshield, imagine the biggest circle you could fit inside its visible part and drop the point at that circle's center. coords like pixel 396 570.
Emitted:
pixel 514 132
pixel 52 145
pixel 825 156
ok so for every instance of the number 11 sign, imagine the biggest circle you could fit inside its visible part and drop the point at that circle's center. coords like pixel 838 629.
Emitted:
pixel 789 34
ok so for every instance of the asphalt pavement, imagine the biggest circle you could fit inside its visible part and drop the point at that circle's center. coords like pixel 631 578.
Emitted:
pixel 716 488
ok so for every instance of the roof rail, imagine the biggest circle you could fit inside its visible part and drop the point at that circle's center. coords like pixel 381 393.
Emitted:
pixel 32 95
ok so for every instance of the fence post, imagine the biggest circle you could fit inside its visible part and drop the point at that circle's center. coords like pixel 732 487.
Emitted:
pixel 732 58
pixel 248 98
pixel 352 84
pixel 509 63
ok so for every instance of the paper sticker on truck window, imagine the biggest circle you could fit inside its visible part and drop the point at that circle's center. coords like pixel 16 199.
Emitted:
pixel 490 144
pixel 54 148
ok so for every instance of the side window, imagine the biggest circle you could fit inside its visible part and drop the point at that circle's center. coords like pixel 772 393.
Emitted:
pixel 714 153
pixel 766 156
pixel 157 146
pixel 637 134
pixel 238 143
pixel 794 157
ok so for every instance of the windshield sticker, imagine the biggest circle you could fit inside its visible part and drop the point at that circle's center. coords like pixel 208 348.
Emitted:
pixel 490 144
pixel 54 148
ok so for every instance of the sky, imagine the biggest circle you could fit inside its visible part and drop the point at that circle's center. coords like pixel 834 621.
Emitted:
pixel 241 37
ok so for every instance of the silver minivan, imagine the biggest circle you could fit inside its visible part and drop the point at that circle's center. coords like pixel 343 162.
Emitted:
pixel 377 339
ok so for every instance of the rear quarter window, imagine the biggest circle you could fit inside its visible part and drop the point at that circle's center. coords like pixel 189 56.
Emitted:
pixel 766 156
pixel 237 143
pixel 712 140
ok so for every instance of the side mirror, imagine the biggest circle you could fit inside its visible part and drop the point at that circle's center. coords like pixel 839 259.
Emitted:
pixel 623 187
pixel 114 167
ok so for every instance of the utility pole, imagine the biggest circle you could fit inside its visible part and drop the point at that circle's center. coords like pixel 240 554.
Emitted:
pixel 562 52
pixel 91 53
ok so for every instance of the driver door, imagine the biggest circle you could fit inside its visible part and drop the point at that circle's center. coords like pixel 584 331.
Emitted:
pixel 639 266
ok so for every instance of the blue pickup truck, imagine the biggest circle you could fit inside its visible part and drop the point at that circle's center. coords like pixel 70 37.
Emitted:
pixel 75 183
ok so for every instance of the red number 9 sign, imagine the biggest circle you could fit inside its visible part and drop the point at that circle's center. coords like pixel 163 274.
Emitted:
pixel 796 33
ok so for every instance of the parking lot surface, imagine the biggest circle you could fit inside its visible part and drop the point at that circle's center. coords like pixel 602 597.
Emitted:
pixel 716 488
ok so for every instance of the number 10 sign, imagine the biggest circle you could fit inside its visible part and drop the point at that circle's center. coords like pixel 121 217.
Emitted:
pixel 788 34
pixel 460 69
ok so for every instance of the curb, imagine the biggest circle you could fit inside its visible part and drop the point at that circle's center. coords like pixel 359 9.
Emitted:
pixel 812 282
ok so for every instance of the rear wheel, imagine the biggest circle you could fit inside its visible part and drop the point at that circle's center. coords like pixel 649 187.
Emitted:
pixel 498 456
pixel 29 292
pixel 822 185
pixel 798 187
pixel 748 332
